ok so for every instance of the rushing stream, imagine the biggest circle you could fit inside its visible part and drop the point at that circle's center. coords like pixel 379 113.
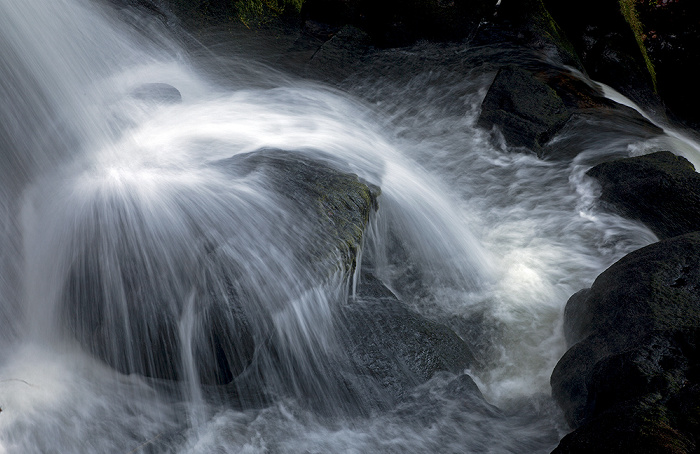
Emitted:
pixel 107 192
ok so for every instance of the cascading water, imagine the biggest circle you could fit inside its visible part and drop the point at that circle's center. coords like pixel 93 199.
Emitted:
pixel 149 260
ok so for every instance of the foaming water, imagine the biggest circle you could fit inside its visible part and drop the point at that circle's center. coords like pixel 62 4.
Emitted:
pixel 137 229
pixel 535 219
pixel 62 401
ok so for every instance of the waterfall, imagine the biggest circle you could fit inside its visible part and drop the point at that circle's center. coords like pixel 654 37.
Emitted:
pixel 166 285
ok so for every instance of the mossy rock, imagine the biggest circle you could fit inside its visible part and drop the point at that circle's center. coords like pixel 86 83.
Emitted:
pixel 337 205
pixel 606 38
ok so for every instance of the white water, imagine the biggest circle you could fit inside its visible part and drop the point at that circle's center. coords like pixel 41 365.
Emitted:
pixel 100 190
pixel 674 139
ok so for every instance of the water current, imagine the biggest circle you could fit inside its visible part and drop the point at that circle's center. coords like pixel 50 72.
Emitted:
pixel 110 190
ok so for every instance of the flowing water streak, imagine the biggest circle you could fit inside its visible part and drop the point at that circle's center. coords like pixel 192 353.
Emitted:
pixel 52 55
pixel 674 139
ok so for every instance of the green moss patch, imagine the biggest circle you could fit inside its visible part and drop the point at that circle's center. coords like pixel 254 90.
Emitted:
pixel 629 11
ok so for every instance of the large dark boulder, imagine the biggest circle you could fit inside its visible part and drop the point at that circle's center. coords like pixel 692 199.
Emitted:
pixel 634 356
pixel 533 103
pixel 660 189
pixel 141 289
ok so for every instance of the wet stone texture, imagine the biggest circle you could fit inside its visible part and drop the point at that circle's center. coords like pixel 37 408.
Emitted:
pixel 634 359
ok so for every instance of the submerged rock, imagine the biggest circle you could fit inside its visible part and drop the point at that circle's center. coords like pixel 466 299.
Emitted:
pixel 660 189
pixel 634 357
pixel 158 93
pixel 396 346
pixel 378 353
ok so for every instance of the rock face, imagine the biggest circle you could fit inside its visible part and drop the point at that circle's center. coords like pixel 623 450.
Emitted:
pixel 634 359
pixel 672 40
pixel 604 39
pixel 644 49
pixel 660 189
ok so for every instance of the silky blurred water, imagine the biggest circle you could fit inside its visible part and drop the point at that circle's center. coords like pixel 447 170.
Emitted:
pixel 122 194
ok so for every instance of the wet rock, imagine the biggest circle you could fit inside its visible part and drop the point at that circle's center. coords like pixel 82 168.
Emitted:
pixel 635 336
pixel 660 189
pixel 378 353
pixel 158 93
pixel 337 204
pixel 530 105
pixel 527 111
pixel 396 346
pixel 137 304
